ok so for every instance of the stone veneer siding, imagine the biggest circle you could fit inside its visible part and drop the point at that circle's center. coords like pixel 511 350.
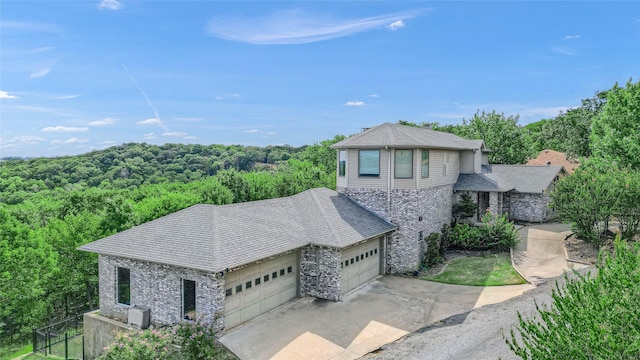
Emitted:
pixel 159 287
pixel 404 250
pixel 530 207
pixel 320 272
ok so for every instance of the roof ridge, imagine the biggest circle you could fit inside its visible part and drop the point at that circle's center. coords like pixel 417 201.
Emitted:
pixel 323 213
pixel 215 231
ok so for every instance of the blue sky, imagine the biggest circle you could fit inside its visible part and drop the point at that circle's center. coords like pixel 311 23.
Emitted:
pixel 76 76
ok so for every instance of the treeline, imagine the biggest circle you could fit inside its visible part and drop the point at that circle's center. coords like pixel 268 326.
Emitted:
pixel 42 275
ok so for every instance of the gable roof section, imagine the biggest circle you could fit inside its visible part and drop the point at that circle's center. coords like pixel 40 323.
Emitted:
pixel 399 136
pixel 502 178
pixel 552 157
pixel 215 238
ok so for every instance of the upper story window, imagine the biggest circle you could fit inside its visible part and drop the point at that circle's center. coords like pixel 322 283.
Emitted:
pixel 369 162
pixel 403 168
pixel 424 164
pixel 123 286
pixel 342 162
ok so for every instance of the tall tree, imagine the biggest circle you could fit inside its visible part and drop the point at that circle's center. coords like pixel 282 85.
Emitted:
pixel 616 131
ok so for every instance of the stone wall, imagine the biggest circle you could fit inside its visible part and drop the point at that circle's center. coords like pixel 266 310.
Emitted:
pixel 413 211
pixel 320 272
pixel 530 207
pixel 159 287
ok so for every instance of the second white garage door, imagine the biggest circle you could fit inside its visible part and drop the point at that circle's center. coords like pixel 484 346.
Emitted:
pixel 360 264
pixel 258 288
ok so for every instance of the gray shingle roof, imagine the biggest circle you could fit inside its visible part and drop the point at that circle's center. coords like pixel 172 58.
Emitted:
pixel 501 178
pixel 398 136
pixel 214 238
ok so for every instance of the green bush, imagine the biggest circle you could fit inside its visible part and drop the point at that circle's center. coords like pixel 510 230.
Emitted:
pixel 466 207
pixel 591 317
pixel 496 232
pixel 433 255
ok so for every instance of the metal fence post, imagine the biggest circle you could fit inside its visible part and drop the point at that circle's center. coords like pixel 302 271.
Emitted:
pixel 66 346
pixel 34 342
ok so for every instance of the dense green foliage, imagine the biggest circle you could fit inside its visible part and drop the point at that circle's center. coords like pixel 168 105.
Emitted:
pixel 495 232
pixel 591 317
pixel 188 341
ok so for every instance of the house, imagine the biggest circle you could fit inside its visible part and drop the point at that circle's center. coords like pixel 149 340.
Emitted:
pixel 227 264
pixel 552 157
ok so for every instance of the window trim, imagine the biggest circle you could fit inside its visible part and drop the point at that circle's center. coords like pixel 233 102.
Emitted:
pixel 395 163
pixel 119 285
pixel 360 152
pixel 422 164
pixel 342 163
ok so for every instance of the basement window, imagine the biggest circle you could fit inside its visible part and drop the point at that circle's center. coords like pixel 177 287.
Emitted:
pixel 123 286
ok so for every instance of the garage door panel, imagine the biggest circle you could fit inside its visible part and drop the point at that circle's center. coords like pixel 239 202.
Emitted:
pixel 360 264
pixel 256 295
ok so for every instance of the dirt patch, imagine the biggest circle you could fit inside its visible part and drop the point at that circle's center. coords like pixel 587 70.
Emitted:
pixel 580 251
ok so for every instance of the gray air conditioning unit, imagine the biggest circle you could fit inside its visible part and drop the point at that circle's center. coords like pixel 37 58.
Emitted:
pixel 139 317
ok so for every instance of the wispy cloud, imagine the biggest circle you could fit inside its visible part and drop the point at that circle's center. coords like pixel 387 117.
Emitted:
pixel 374 96
pixel 150 122
pixel 16 141
pixel 398 24
pixel 40 73
pixel 27 51
pixel 65 97
pixel 355 103
pixel 228 96
pixel 103 122
pixel 551 111
pixel 150 135
pixel 190 137
pixel 155 110
pixel 64 129
pixel 28 26
pixel 298 27
pixel 175 134
pixel 106 142
pixel 6 95
pixel 72 140
pixel 110 5
pixel 189 119
pixel 271 133
pixel 563 50
pixel 569 37
pixel 252 131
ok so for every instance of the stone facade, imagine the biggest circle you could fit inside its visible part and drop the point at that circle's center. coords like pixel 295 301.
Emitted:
pixel 414 211
pixel 159 287
pixel 320 272
pixel 530 207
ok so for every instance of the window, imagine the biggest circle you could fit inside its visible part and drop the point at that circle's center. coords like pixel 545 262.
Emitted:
pixel 425 163
pixel 281 272
pixel 375 251
pixel 274 274
pixel 366 254
pixel 369 162
pixel 346 263
pixel 188 299
pixel 257 281
pixel 357 258
pixel 266 278
pixel 342 162
pixel 420 236
pixel 352 260
pixel 403 167
pixel 228 292
pixel 247 285
pixel 289 269
pixel 123 286
pixel 238 288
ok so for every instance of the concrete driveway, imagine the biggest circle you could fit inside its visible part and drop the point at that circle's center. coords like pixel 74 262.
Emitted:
pixel 376 314
pixel 541 253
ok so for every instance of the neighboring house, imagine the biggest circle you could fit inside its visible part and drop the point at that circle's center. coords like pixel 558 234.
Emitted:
pixel 227 264
pixel 552 157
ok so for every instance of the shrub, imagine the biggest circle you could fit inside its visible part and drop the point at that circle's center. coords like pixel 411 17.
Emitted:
pixel 466 207
pixel 147 344
pixel 590 317
pixel 433 255
pixel 496 232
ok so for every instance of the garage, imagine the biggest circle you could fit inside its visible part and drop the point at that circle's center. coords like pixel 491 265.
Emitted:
pixel 360 264
pixel 258 288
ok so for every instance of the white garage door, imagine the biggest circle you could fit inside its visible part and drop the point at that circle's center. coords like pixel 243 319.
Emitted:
pixel 258 288
pixel 360 264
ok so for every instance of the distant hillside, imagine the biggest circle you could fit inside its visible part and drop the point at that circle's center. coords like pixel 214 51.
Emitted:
pixel 135 164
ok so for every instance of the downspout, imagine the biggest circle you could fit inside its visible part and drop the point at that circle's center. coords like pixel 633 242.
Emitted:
pixel 388 183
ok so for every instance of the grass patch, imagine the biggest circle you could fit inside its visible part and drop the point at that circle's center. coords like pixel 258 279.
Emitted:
pixel 488 270
pixel 13 351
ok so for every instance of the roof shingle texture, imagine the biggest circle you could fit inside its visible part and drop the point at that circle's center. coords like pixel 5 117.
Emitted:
pixel 552 157
pixel 398 136
pixel 218 237
pixel 502 178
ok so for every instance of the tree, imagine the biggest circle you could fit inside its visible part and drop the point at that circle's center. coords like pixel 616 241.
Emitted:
pixel 501 134
pixel 591 317
pixel 616 131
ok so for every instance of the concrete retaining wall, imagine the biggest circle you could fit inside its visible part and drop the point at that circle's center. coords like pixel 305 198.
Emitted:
pixel 99 332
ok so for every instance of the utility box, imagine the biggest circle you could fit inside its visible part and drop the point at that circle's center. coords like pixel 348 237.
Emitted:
pixel 139 317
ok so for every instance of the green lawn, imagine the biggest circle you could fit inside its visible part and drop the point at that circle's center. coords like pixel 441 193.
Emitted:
pixel 12 351
pixel 489 270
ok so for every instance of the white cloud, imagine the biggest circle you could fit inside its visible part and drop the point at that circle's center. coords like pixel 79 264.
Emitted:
pixel 110 5
pixel 569 37
pixel 374 96
pixel 150 122
pixel 354 103
pixel 103 122
pixel 271 133
pixel 175 133
pixel 15 141
pixel 399 24
pixel 40 73
pixel 64 129
pixel 6 95
pixel 297 27
pixel 563 50
pixel 252 131
pixel 551 111
pixel 190 137
pixel 150 136
pixel 72 140
pixel 65 97
pixel 229 96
